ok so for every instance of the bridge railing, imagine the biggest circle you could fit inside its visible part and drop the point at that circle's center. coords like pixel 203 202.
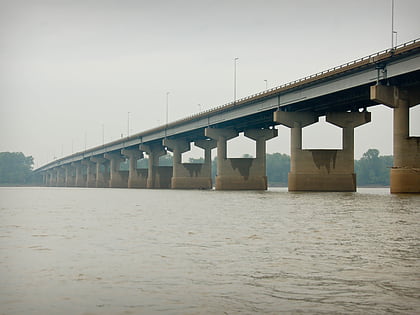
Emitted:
pixel 370 59
pixel 373 58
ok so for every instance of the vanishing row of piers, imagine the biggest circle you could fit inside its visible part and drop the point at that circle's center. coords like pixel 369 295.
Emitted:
pixel 311 170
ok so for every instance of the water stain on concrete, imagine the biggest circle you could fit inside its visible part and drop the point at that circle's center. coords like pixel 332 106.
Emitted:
pixel 243 165
pixel 324 158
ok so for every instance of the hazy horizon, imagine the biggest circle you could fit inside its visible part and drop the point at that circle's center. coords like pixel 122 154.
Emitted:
pixel 71 71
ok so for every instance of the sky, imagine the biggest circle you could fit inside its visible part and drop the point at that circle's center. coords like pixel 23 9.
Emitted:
pixel 76 73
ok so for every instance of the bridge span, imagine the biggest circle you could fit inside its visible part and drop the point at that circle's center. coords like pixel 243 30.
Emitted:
pixel 343 94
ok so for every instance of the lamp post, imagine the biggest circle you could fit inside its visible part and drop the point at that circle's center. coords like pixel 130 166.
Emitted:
pixel 392 24
pixel 234 80
pixel 167 112
pixel 266 84
pixel 128 124
pixel 396 38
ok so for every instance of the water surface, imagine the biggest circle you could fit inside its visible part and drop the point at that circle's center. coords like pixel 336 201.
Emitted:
pixel 121 251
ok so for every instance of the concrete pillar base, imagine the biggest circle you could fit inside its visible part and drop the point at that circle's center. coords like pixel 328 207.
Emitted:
pixel 139 180
pixel 238 183
pixel 118 179
pixel 405 180
pixel 163 177
pixel 191 183
pixel 322 182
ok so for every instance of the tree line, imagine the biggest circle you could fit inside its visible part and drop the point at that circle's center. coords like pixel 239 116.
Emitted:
pixel 372 169
pixel 15 168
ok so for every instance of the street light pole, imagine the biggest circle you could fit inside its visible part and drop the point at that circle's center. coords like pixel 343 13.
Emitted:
pixel 392 24
pixel 266 84
pixel 167 112
pixel 234 80
pixel 103 134
pixel 128 124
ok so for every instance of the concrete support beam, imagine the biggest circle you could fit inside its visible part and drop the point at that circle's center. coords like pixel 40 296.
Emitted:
pixel 392 95
pixel 51 178
pixel 190 175
pixel 322 170
pixel 242 173
pixel 136 178
pixel 405 174
pixel 61 177
pixel 117 179
pixel 158 176
pixel 90 173
pixel 80 179
pixel 69 175
pixel 102 172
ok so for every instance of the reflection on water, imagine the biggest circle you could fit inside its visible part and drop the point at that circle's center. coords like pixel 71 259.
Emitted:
pixel 120 251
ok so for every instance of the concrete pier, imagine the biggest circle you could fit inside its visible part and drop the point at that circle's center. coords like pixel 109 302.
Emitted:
pixel 241 173
pixel 158 176
pixel 405 173
pixel 102 172
pixel 117 178
pixel 69 175
pixel 137 178
pixel 80 178
pixel 190 175
pixel 90 173
pixel 322 170
pixel 51 178
pixel 61 177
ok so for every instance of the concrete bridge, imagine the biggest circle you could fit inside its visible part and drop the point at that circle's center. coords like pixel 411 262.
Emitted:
pixel 342 94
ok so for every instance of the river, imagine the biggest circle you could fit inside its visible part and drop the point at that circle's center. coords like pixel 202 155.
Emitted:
pixel 126 251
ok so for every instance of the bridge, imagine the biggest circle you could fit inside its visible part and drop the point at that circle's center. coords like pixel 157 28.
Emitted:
pixel 343 94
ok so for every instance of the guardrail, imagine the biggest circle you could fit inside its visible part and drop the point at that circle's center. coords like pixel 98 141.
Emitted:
pixel 370 59
pixel 373 58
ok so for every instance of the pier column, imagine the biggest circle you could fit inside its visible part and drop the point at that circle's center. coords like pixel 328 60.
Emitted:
pixel 61 177
pixel 80 180
pixel 117 178
pixel 69 175
pixel 241 173
pixel 190 175
pixel 136 178
pixel 90 173
pixel 205 172
pixel 257 171
pixel 405 173
pixel 221 136
pixel 102 172
pixel 51 178
pixel 158 176
pixel 322 170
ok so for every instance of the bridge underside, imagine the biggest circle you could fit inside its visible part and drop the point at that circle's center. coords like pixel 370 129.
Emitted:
pixel 343 96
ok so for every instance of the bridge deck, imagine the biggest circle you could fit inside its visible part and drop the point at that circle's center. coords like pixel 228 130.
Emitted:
pixel 345 87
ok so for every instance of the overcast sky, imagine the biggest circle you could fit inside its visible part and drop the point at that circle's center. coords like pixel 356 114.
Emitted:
pixel 71 69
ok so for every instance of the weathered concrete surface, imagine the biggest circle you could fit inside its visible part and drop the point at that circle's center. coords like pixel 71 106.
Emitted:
pixel 70 176
pixel 90 173
pixel 241 173
pixel 80 178
pixel 405 173
pixel 136 178
pixel 117 179
pixel 190 175
pixel 61 177
pixel 157 176
pixel 322 170
pixel 102 172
